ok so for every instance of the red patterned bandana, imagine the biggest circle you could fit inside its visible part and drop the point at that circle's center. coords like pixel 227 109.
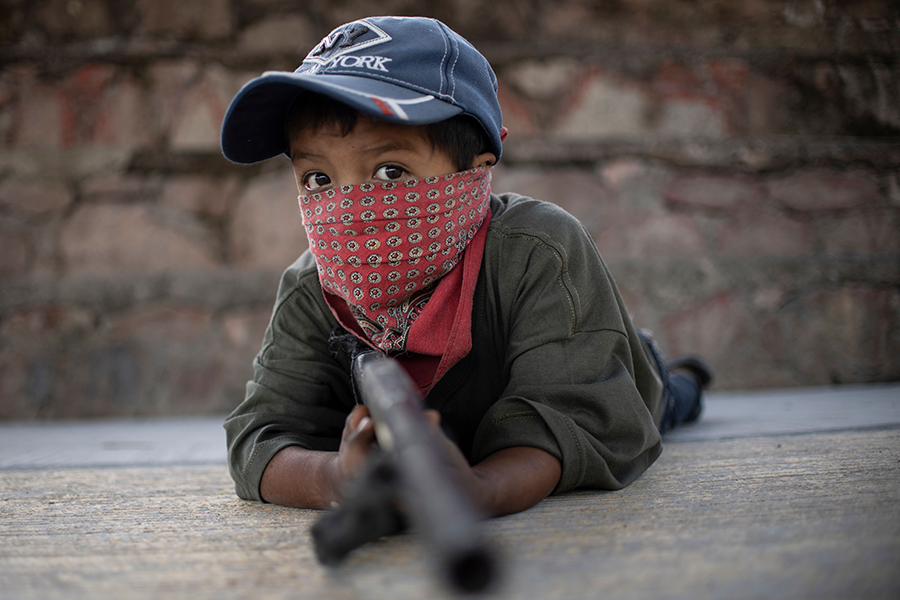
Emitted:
pixel 383 246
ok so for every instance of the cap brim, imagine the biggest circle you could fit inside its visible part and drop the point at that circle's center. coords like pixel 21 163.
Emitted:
pixel 253 127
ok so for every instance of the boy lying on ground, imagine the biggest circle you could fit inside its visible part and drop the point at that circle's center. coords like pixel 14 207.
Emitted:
pixel 498 306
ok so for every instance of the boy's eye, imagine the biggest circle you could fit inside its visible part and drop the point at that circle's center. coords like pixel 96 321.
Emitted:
pixel 389 172
pixel 314 182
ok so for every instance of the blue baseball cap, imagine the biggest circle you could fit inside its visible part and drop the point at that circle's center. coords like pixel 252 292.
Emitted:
pixel 406 70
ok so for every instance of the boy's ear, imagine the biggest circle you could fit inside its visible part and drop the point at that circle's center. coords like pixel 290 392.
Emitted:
pixel 484 160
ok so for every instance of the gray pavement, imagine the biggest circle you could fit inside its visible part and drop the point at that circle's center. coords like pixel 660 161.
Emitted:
pixel 112 443
pixel 784 494
pixel 201 440
pixel 794 411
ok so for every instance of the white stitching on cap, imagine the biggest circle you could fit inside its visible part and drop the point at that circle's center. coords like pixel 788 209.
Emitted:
pixel 443 58
pixel 452 71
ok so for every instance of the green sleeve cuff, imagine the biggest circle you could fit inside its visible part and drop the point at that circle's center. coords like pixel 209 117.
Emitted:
pixel 509 423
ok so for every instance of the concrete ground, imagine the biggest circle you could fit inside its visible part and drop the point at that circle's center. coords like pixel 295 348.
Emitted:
pixel 778 494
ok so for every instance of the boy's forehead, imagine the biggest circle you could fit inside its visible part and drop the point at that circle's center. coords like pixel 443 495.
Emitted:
pixel 368 132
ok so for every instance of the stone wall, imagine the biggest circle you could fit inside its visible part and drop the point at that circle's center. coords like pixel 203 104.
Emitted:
pixel 736 162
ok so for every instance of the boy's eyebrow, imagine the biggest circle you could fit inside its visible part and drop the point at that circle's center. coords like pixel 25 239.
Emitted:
pixel 300 155
pixel 388 147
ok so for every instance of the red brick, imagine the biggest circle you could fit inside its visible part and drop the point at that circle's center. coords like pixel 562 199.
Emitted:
pixel 870 90
pixel 868 232
pixel 563 19
pixel 244 329
pixel 39 117
pixel 762 109
pixel 284 33
pixel 169 83
pixel 763 232
pixel 45 345
pixel 894 188
pixel 579 192
pixel 82 99
pixel 722 330
pixel 114 187
pixel 649 236
pixel 843 335
pixel 729 75
pixel 57 164
pixel 543 80
pixel 713 328
pixel 109 238
pixel 198 19
pixel 10 84
pixel 33 197
pixel 45 240
pixel 124 116
pixel 204 195
pixel 676 80
pixel 266 228
pixel 623 195
pixel 717 192
pixel 95 104
pixel 14 402
pixel 826 190
pixel 768 298
pixel 38 324
pixel 112 380
pixel 619 172
pixel 517 116
pixel 82 18
pixel 16 251
pixel 610 105
pixel 201 381
pixel 171 324
pixel 196 126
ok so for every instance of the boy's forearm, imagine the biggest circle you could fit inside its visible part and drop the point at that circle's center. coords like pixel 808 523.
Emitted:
pixel 506 482
pixel 301 478
pixel 513 479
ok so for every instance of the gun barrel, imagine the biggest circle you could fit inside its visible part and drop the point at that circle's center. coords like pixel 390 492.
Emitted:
pixel 439 508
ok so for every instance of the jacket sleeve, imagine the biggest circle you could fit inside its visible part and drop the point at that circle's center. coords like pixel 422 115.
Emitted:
pixel 300 393
pixel 578 382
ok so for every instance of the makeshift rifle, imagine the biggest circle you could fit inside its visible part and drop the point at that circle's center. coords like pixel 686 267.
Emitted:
pixel 406 475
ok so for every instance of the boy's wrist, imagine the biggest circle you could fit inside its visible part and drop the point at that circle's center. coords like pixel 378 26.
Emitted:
pixel 330 482
pixel 514 479
pixel 302 478
pixel 484 491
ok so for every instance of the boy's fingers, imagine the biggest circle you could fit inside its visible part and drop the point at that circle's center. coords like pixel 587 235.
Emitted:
pixel 433 417
pixel 365 429
pixel 353 420
pixel 363 435
pixel 357 441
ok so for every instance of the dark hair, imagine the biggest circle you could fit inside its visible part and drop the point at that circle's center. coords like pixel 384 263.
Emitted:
pixel 460 138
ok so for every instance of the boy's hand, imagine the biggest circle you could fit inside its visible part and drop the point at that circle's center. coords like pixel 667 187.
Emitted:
pixel 357 441
pixel 507 481
pixel 315 479
pixel 456 461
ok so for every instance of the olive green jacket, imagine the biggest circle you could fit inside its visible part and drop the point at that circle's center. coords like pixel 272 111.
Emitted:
pixel 555 364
